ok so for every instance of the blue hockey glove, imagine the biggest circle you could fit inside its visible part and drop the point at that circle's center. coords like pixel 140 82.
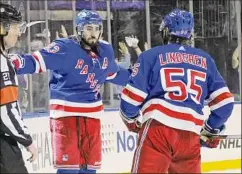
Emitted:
pixel 134 124
pixel 210 137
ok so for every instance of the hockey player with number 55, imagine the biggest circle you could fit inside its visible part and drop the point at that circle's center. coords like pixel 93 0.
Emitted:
pixel 80 66
pixel 169 86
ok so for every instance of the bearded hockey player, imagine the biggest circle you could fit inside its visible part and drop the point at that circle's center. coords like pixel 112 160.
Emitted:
pixel 80 65
pixel 169 86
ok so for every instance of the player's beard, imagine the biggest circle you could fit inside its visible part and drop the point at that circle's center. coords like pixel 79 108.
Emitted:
pixel 91 42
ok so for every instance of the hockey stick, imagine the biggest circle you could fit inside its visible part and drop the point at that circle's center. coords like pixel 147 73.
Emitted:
pixel 229 136
pixel 204 138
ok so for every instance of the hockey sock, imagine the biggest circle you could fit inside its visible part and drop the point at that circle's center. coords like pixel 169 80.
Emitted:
pixel 69 171
pixel 86 171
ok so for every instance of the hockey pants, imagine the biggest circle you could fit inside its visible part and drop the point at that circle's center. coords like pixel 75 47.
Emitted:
pixel 76 142
pixel 162 149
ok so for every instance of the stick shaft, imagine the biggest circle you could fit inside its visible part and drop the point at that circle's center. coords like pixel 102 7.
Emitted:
pixel 230 136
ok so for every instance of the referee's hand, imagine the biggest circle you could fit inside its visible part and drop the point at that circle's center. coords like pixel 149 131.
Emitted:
pixel 32 149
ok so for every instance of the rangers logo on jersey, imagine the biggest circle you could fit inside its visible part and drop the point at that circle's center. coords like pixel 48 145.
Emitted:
pixel 52 48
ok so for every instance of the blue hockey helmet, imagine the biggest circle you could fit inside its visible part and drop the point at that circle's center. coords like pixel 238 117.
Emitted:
pixel 85 17
pixel 179 23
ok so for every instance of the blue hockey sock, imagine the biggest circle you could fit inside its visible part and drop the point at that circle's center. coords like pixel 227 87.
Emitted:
pixel 74 171
pixel 65 171
pixel 86 171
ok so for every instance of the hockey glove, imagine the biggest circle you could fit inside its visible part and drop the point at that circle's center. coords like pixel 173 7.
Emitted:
pixel 16 60
pixel 133 125
pixel 210 137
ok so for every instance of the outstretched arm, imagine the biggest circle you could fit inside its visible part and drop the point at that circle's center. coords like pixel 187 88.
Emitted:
pixel 121 77
pixel 136 91
pixel 52 57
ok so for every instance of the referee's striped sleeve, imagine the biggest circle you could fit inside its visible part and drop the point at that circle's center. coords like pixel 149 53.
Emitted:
pixel 11 123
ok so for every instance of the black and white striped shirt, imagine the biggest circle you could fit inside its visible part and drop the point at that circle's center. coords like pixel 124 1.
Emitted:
pixel 11 123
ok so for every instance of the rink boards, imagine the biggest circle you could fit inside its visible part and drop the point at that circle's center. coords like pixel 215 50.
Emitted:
pixel 119 145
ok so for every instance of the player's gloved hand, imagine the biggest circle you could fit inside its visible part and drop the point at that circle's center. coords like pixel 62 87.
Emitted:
pixel 210 137
pixel 132 41
pixel 16 60
pixel 134 124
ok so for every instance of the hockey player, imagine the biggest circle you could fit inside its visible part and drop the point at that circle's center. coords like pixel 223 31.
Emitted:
pixel 79 68
pixel 169 85
pixel 12 127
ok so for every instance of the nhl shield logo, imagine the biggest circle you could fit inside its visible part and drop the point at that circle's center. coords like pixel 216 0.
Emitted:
pixel 65 157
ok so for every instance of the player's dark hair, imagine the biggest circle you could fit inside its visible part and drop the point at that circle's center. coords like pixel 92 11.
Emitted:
pixel 179 40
